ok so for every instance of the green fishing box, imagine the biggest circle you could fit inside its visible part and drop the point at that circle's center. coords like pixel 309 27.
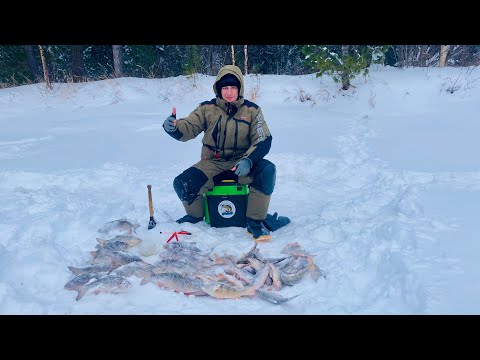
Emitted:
pixel 226 204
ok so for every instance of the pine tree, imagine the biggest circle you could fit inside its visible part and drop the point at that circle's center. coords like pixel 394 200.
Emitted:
pixel 14 68
pixel 342 62
pixel 192 64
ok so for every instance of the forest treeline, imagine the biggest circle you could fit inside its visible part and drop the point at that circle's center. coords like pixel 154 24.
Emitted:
pixel 27 64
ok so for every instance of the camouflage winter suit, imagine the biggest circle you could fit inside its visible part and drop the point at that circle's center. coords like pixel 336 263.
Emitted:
pixel 232 131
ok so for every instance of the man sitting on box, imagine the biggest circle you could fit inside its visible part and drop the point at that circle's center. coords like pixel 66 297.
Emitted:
pixel 236 139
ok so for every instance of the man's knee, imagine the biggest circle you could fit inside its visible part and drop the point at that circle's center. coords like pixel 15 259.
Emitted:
pixel 188 184
pixel 265 176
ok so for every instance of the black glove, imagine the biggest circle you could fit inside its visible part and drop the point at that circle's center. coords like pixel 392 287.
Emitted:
pixel 242 167
pixel 169 124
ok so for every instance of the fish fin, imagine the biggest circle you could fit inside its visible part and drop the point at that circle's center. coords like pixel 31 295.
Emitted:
pixel 294 296
pixel 75 270
pixel 146 280
pixel 81 291
pixel 250 291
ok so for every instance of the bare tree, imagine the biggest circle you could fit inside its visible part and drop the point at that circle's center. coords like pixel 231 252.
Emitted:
pixel 45 69
pixel 233 56
pixel 32 63
pixel 422 55
pixel 245 50
pixel 118 60
pixel 401 54
pixel 78 65
pixel 443 55
pixel 411 55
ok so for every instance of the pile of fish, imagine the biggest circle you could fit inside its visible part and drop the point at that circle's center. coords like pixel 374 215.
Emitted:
pixel 184 268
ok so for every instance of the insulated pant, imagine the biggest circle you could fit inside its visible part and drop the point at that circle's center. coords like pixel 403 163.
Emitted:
pixel 201 177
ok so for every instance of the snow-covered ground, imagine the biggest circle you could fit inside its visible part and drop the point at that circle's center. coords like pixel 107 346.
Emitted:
pixel 381 183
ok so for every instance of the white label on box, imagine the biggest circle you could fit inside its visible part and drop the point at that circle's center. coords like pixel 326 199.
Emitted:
pixel 226 209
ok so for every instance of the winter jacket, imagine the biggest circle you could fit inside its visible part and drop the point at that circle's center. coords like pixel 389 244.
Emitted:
pixel 231 130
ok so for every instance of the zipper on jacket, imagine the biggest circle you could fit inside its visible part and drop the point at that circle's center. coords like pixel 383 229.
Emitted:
pixel 225 137
pixel 216 132
pixel 236 138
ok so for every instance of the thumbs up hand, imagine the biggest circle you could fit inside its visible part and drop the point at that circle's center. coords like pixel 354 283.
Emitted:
pixel 170 123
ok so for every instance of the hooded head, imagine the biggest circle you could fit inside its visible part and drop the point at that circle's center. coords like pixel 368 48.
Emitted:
pixel 227 80
pixel 229 75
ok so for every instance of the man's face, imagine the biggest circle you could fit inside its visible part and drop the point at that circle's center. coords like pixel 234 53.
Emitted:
pixel 229 93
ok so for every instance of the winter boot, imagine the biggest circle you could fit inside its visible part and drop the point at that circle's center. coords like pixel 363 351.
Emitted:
pixel 275 222
pixel 257 229
pixel 190 219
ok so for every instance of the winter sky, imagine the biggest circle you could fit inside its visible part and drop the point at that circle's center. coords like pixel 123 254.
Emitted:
pixel 381 183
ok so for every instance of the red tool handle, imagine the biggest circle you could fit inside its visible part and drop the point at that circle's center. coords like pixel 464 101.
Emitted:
pixel 176 233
